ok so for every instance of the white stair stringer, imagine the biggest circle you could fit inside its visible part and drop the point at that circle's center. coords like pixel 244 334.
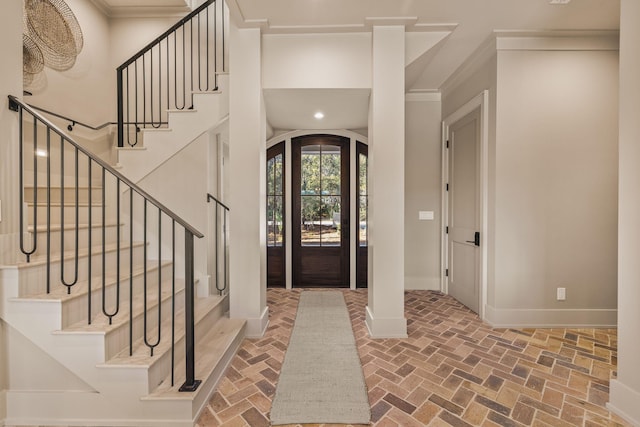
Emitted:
pixel 209 110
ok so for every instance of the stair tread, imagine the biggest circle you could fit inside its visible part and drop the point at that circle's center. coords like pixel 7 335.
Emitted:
pixel 59 293
pixel 71 203
pixel 210 349
pixel 67 187
pixel 141 353
pixel 58 227
pixel 70 254
pixel 100 323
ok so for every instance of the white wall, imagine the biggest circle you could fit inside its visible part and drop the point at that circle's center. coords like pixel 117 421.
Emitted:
pixel 316 60
pixel 556 184
pixel 188 168
pixel 73 93
pixel 422 191
pixel 625 390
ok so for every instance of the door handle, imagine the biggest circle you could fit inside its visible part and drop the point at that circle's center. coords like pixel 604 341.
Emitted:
pixel 476 239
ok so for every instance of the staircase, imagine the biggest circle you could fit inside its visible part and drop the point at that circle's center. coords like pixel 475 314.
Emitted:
pixel 103 309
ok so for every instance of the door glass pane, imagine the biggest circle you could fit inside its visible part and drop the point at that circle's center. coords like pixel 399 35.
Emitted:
pixel 278 224
pixel 362 168
pixel 330 167
pixel 362 221
pixel 310 220
pixel 310 170
pixel 330 230
pixel 270 220
pixel 362 200
pixel 270 168
pixel 277 174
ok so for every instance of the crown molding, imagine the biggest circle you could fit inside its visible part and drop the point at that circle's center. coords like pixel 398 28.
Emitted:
pixel 140 11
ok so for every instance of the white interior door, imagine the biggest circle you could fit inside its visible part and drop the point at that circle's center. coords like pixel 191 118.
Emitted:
pixel 464 210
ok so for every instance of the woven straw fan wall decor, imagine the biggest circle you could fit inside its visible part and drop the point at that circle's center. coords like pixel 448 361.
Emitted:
pixel 52 38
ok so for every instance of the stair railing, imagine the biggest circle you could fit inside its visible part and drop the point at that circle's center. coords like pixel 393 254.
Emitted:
pixel 221 286
pixel 164 74
pixel 73 122
pixel 40 141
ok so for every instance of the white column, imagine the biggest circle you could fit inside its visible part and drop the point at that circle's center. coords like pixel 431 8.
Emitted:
pixel 247 182
pixel 385 311
pixel 625 390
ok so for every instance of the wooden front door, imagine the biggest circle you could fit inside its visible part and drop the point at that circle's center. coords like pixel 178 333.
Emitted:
pixel 320 211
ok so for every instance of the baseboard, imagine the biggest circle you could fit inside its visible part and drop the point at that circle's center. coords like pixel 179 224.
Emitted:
pixel 258 326
pixel 385 327
pixel 421 283
pixel 550 318
pixel 623 401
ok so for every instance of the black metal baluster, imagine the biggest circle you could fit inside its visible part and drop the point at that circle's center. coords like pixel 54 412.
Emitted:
pixel 89 242
pixel 222 36
pixel 173 300
pixel 121 98
pixel 199 56
pixel 217 242
pixel 191 60
pixel 224 250
pixel 48 210
pixel 215 45
pixel 130 271
pixel 62 223
pixel 190 384
pixel 135 97
pixel 104 267
pixel 34 242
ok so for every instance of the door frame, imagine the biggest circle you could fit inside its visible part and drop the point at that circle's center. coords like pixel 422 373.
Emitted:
pixel 321 139
pixel 287 137
pixel 480 101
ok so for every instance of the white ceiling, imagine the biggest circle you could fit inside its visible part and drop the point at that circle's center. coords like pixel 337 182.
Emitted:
pixel 295 108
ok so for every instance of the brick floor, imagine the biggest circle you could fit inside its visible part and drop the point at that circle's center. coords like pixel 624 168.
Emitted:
pixel 453 370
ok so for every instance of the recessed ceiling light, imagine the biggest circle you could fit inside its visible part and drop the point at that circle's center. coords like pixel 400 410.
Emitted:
pixel 559 1
pixel 319 115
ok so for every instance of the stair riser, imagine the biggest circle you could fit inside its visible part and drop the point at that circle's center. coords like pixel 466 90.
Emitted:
pixel 69 214
pixel 69 194
pixel 33 277
pixel 161 369
pixel 118 339
pixel 76 309
pixel 70 236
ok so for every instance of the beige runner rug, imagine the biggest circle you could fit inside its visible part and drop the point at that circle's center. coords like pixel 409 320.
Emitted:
pixel 321 379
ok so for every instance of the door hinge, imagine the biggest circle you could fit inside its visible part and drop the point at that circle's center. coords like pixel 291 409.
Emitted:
pixel 447 143
pixel 446 272
pixel 447 186
pixel 446 229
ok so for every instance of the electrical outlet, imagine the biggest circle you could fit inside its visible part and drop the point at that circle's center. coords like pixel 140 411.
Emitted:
pixel 561 294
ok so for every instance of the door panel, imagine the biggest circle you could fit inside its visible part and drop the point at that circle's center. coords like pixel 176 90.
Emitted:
pixel 361 224
pixel 464 255
pixel 275 217
pixel 320 213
